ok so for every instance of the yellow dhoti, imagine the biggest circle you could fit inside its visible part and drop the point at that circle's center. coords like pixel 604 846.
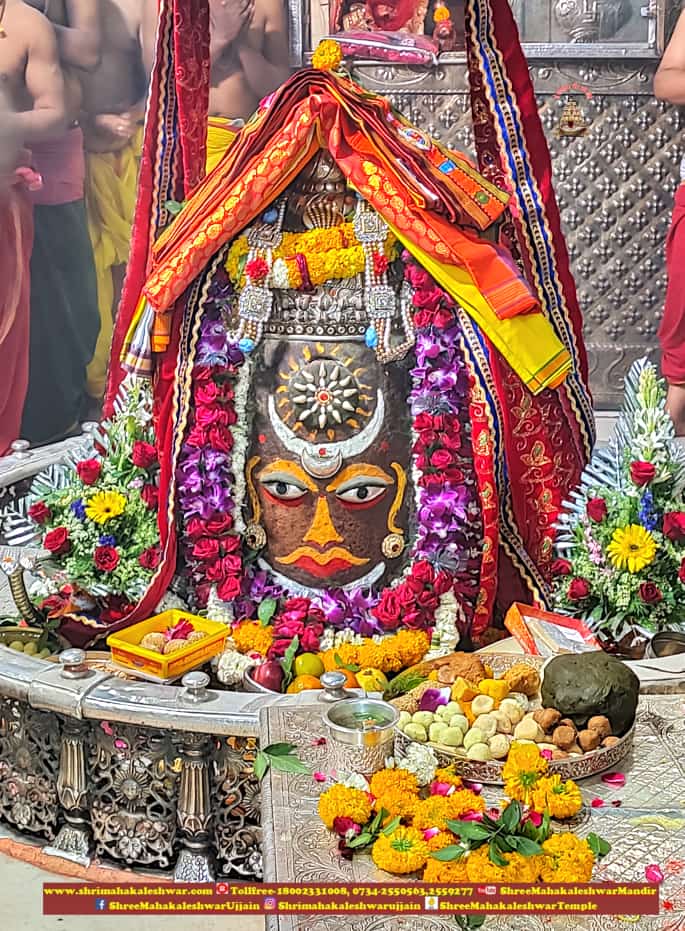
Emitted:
pixel 220 134
pixel 111 182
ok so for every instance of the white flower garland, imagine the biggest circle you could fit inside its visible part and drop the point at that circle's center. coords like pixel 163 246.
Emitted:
pixel 232 666
pixel 419 760
pixel 445 633
pixel 239 431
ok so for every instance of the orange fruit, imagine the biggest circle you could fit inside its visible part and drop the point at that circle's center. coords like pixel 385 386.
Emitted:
pixel 302 684
pixel 350 678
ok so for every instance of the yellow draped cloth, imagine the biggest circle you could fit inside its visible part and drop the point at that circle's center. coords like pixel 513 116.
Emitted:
pixel 111 182
pixel 220 134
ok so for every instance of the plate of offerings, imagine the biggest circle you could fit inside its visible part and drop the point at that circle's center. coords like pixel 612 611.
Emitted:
pixel 578 710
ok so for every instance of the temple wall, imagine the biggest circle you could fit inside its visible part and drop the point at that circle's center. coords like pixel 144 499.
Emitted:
pixel 614 183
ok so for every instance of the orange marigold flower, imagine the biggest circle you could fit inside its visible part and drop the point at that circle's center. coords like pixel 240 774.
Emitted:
pixel 389 779
pixel 398 803
pixel 566 859
pixel 403 851
pixel 519 869
pixel 441 14
pixel 344 802
pixel 433 812
pixel 327 56
pixel 524 767
pixel 445 871
pixel 463 801
pixel 441 840
pixel 560 799
pixel 251 637
pixel 448 776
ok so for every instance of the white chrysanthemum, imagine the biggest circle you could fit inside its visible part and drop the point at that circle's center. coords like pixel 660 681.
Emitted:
pixel 279 275
pixel 445 633
pixel 218 610
pixel 232 666
pixel 421 761
pixel 353 781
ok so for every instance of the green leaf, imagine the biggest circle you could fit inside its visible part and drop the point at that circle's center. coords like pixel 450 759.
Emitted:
pixel 389 828
pixel 261 765
pixel 288 764
pixel 266 611
pixel 350 667
pixel 174 207
pixel 468 830
pixel 495 856
pixel 280 749
pixel 511 817
pixel 405 682
pixel 287 661
pixel 361 840
pixel 376 823
pixel 598 845
pixel 453 852
pixel 524 845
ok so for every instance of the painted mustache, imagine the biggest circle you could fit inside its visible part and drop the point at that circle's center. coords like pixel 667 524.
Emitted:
pixel 322 565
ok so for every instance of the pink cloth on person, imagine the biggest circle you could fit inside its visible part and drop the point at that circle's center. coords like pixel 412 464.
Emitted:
pixel 672 329
pixel 61 164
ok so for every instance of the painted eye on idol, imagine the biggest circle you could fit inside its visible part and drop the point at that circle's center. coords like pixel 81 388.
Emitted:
pixel 361 491
pixel 284 487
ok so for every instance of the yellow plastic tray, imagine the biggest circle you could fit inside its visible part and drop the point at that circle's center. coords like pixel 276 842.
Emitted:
pixel 126 649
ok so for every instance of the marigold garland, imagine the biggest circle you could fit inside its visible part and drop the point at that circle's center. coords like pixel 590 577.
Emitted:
pixel 387 780
pixel 567 859
pixel 344 802
pixel 403 851
pixel 400 651
pixel 327 56
pixel 252 637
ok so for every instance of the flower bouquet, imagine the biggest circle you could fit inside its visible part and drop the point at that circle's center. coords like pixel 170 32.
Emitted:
pixel 621 540
pixel 97 519
pixel 416 818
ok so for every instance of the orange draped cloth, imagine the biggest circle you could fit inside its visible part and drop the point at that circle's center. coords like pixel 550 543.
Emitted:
pixel 16 221
pixel 434 197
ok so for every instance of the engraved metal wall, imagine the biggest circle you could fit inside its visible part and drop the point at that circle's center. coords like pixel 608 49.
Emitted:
pixel 614 184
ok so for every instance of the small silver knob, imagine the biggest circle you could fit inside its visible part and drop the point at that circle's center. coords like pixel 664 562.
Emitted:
pixel 74 664
pixel 195 687
pixel 21 449
pixel 333 686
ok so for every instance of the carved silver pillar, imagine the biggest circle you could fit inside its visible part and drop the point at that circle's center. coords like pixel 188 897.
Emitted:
pixel 194 810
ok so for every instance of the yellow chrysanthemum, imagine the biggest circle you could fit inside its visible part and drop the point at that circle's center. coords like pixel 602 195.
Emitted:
pixel 327 56
pixel 251 637
pixel 403 851
pixel 387 780
pixel 397 803
pixel 344 802
pixel 523 769
pixel 566 859
pixel 104 505
pixel 560 799
pixel 519 869
pixel 632 548
pixel 445 871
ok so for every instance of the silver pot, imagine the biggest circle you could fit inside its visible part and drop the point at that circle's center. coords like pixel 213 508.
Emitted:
pixel 250 685
pixel 362 734
pixel 665 643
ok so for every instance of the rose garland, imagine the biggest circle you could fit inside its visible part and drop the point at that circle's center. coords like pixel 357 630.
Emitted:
pixel 444 571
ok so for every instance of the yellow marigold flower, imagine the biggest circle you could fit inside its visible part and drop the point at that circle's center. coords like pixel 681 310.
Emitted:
pixel 463 801
pixel 519 869
pixel 327 56
pixel 432 812
pixel 560 799
pixel 412 646
pixel 566 859
pixel 104 505
pixel 250 637
pixel 398 803
pixel 522 770
pixel 388 779
pixel 343 802
pixel 632 548
pixel 448 776
pixel 441 14
pixel 347 652
pixel 445 871
pixel 440 841
pixel 403 851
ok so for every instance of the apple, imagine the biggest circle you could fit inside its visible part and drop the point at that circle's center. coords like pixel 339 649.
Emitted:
pixel 269 675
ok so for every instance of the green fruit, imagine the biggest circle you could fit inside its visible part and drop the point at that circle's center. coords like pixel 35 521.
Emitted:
pixel 31 649
pixel 308 664
pixel 44 653
pixel 17 645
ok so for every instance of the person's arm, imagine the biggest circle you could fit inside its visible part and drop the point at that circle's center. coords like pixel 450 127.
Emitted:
pixel 44 82
pixel 148 34
pixel 267 70
pixel 669 81
pixel 80 42
pixel 227 19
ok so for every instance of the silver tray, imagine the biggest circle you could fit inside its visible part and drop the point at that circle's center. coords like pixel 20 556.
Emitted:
pixel 490 773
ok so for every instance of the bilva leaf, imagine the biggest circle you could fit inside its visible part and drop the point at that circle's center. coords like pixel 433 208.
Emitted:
pixel 495 856
pixel 287 661
pixel 598 845
pixel 288 764
pixel 173 207
pixel 511 817
pixel 389 828
pixel 453 852
pixel 361 840
pixel 279 749
pixel 524 845
pixel 261 765
pixel 376 823
pixel 266 611
pixel 468 830
pixel 350 667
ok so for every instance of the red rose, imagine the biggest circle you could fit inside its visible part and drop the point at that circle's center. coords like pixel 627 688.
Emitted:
pixel 195 528
pixel 150 495
pixel 206 394
pixel 149 558
pixel 642 473
pixel 423 571
pixel 207 417
pixel 310 639
pixel 388 610
pixel 427 599
pixel 278 648
pixel 427 300
pixel 674 526
pixel 57 541
pixel 230 544
pixel 596 509
pixel 202 374
pixel 681 572
pixel 297 607
pixel 441 458
pixel 342 824
pixel 290 629
pixel 40 512
pixel 650 593
pixel 578 589
pixel 423 421
pixel 89 471
pixel 220 438
pixel 206 549
pixel 229 588
pixel 442 583
pixel 197 438
pixel 219 524
pixel 257 269
pixel 414 620
pixel 417 277
pixel 144 455
pixel 561 567
pixel 105 558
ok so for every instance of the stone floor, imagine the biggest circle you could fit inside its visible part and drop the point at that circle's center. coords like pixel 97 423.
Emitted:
pixel 22 897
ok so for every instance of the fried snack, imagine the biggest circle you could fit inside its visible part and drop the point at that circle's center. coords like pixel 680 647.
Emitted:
pixel 197 635
pixel 173 646
pixel 153 641
pixel 522 678
pixel 450 667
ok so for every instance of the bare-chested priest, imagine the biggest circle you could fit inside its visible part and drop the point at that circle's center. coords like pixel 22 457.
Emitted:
pixel 32 109
pixel 113 114
pixel 249 59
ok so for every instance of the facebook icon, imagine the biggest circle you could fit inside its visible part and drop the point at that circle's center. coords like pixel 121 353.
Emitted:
pixel 100 905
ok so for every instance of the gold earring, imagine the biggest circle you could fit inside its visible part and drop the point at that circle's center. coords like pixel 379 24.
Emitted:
pixel 393 545
pixel 255 536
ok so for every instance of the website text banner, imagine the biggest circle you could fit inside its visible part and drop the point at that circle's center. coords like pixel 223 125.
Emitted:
pixel 377 898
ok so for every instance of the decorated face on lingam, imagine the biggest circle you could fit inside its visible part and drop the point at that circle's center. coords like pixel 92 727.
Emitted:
pixel 328 470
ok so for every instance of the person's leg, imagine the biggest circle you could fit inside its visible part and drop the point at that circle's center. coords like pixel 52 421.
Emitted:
pixel 675 405
pixel 672 328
